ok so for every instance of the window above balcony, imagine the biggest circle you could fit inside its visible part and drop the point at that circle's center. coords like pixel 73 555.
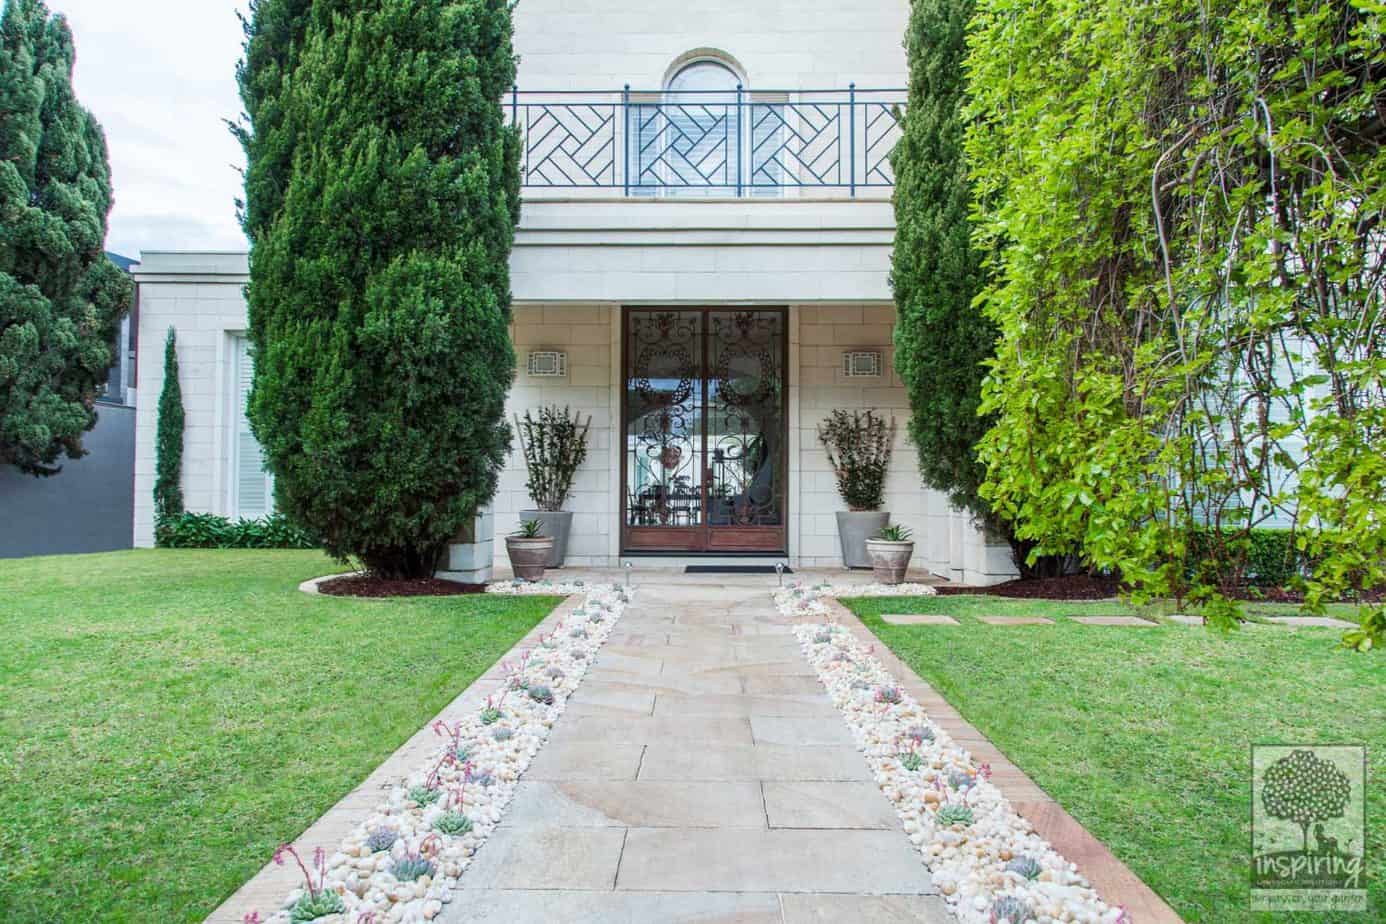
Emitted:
pixel 706 134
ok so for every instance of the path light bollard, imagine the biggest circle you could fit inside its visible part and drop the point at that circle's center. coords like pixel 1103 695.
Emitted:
pixel 629 568
pixel 779 571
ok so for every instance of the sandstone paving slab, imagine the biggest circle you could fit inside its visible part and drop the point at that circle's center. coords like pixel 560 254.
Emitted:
pixel 597 693
pixel 1130 621
pixel 749 667
pixel 586 760
pixel 664 761
pixel 864 909
pixel 674 682
pixel 741 860
pixel 1310 622
pixel 608 661
pixel 792 685
pixel 919 619
pixel 792 732
pixel 828 805
pixel 743 705
pixel 646 728
pixel 1016 620
pixel 644 804
pixel 571 907
pixel 546 858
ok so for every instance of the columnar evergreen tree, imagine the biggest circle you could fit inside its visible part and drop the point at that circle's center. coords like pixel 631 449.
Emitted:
pixel 941 341
pixel 381 199
pixel 168 450
pixel 61 299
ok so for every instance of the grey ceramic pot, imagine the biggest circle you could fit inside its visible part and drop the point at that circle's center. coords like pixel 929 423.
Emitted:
pixel 889 560
pixel 854 527
pixel 558 524
pixel 529 557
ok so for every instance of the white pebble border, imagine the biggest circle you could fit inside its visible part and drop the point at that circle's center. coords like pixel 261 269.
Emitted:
pixel 363 878
pixel 968 862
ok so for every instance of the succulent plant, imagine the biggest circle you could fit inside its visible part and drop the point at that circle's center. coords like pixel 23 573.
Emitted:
pixel 490 715
pixel 425 795
pixel 920 733
pixel 517 682
pixel 541 694
pixel 889 694
pixel 578 632
pixel 412 868
pixel 484 778
pixel 911 761
pixel 1027 867
pixel 452 824
pixel 555 673
pixel 578 655
pixel 595 617
pixel 381 839
pixel 960 779
pixel 860 684
pixel 822 638
pixel 955 813
pixel 314 905
pixel 502 733
pixel 1010 910
pixel 461 753
pixel 549 641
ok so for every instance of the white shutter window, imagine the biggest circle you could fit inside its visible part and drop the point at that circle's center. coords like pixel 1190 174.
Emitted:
pixel 252 491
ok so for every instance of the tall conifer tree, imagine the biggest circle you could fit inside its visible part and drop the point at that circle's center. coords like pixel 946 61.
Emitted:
pixel 381 200
pixel 941 340
pixel 61 299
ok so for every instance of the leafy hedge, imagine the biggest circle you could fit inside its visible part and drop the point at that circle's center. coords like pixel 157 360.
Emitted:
pixel 210 531
pixel 1268 557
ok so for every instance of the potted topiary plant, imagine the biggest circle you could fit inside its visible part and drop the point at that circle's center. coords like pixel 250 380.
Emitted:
pixel 891 550
pixel 529 550
pixel 554 443
pixel 858 444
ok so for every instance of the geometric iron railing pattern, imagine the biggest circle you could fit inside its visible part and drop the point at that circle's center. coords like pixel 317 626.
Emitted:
pixel 708 143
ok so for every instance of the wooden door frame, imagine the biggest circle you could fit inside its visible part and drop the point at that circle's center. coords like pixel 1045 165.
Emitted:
pixel 703 539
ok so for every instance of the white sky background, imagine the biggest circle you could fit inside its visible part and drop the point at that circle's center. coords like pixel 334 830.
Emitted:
pixel 160 77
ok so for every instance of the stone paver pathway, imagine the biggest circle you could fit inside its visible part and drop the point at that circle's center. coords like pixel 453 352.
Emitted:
pixel 700 773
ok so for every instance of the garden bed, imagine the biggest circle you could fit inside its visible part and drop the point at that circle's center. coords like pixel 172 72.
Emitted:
pixel 365 585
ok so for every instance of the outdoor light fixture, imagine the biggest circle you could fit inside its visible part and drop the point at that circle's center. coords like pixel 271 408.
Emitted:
pixel 779 571
pixel 861 364
pixel 547 364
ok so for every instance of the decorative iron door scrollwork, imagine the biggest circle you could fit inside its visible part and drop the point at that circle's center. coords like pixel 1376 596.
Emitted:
pixel 704 465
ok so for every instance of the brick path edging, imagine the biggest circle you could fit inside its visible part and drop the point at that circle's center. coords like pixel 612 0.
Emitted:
pixel 1112 879
pixel 267 889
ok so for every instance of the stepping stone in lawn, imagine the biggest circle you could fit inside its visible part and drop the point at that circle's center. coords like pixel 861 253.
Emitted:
pixel 1112 620
pixel 1311 622
pixel 1016 620
pixel 1186 620
pixel 919 619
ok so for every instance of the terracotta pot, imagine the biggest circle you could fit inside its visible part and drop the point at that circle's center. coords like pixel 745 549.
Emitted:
pixel 556 523
pixel 529 557
pixel 889 560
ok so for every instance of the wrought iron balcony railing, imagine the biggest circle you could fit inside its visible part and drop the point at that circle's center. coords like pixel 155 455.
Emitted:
pixel 708 142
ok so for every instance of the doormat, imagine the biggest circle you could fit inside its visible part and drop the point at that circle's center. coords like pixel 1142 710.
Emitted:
pixel 733 569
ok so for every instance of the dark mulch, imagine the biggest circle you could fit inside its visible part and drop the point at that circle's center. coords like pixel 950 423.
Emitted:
pixel 1073 587
pixel 365 585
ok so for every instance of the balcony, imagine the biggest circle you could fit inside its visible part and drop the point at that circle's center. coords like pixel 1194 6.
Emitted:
pixel 708 143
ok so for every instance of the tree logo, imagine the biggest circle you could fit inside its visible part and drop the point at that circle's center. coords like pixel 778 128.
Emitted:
pixel 1308 828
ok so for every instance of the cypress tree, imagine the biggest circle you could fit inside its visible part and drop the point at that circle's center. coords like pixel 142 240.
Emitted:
pixel 61 299
pixel 168 460
pixel 942 343
pixel 381 199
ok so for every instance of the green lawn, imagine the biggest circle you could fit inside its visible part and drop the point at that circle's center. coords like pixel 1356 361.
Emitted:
pixel 167 718
pixel 1144 734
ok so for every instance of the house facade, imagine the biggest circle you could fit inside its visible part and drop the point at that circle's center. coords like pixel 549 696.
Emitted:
pixel 702 266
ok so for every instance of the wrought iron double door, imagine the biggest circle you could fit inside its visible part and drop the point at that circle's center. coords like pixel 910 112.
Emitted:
pixel 704 415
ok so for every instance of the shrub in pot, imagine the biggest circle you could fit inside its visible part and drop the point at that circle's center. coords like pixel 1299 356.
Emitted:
pixel 554 443
pixel 891 550
pixel 529 550
pixel 858 444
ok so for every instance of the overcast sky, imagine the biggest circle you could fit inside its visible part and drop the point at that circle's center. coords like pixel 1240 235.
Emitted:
pixel 160 77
